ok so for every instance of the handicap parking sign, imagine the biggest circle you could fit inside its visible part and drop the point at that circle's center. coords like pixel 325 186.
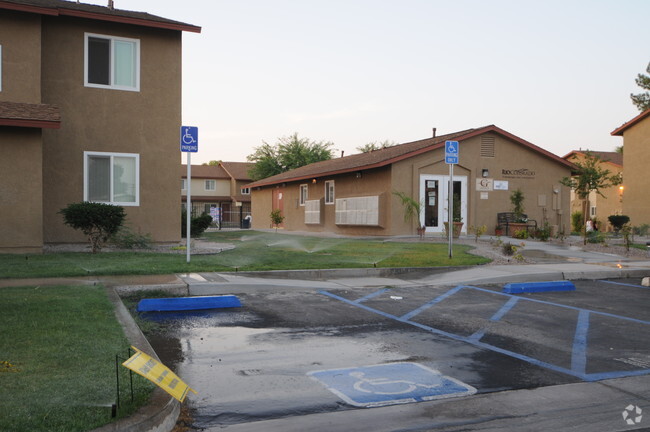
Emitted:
pixel 390 384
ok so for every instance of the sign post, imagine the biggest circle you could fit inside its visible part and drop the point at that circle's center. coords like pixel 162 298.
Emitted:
pixel 189 144
pixel 451 159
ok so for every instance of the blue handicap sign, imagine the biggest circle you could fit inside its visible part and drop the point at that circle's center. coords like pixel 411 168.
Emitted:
pixel 451 152
pixel 390 384
pixel 189 139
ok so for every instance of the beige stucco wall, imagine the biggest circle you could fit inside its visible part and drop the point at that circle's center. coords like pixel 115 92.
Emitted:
pixel 21 199
pixel 222 188
pixel 93 119
pixel 509 156
pixel 636 160
pixel 20 37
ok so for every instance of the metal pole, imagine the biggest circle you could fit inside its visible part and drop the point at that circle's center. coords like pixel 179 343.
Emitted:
pixel 450 205
pixel 189 203
pixel 117 379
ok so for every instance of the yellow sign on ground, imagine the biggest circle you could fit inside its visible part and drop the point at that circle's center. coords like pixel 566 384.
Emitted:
pixel 158 374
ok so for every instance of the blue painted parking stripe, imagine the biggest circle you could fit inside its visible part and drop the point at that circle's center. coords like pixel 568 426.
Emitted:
pixel 578 361
pixel 496 317
pixel 579 351
pixel 624 284
pixel 561 305
pixel 372 295
pixel 431 303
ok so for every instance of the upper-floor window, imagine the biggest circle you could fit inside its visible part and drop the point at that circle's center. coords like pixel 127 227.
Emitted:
pixel 210 185
pixel 112 62
pixel 245 191
pixel 183 184
pixel 303 194
pixel 329 192
pixel 112 178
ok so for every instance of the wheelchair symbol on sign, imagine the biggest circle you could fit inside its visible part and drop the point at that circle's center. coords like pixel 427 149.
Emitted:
pixel 188 138
pixel 386 386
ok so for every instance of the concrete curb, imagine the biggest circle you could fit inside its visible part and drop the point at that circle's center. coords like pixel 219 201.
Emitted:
pixel 162 411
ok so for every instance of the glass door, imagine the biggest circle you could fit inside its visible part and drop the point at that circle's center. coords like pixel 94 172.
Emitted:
pixel 434 190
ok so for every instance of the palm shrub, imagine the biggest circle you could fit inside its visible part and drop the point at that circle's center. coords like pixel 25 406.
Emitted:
pixel 98 221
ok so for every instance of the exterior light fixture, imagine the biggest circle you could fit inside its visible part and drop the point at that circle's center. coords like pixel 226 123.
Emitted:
pixel 485 173
pixel 313 181
pixel 358 174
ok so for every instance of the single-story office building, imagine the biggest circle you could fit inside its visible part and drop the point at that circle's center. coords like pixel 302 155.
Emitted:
pixel 353 195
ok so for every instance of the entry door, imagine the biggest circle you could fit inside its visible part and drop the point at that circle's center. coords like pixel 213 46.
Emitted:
pixel 434 190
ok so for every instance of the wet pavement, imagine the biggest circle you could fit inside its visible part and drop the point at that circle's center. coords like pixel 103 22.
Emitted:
pixel 253 363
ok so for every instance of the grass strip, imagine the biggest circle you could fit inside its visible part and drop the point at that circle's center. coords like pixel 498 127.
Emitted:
pixel 60 343
pixel 253 251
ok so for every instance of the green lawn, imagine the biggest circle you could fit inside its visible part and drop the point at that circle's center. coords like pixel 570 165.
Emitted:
pixel 57 359
pixel 254 251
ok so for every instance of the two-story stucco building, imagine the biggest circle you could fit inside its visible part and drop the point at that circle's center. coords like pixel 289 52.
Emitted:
pixel 222 187
pixel 636 159
pixel 90 110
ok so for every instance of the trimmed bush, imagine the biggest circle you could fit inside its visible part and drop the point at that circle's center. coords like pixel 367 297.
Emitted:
pixel 198 224
pixel 97 220
pixel 618 221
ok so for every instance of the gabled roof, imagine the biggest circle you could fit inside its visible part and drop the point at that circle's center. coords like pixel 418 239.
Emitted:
pixel 29 115
pixel 619 131
pixel 101 13
pixel 390 155
pixel 611 157
pixel 238 170
pixel 205 172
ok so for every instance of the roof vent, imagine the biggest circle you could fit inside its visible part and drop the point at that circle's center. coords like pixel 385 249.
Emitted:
pixel 111 6
pixel 487 146
pixel 434 132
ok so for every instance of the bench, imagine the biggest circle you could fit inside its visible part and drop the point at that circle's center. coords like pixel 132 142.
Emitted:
pixel 506 219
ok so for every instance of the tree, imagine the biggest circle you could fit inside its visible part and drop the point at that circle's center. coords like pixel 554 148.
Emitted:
pixel 590 177
pixel 412 210
pixel 374 145
pixel 288 153
pixel 642 100
pixel 97 220
pixel 212 163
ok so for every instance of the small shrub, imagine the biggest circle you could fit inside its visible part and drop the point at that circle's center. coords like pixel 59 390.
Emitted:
pixel 521 234
pixel 618 221
pixel 577 221
pixel 198 224
pixel 478 231
pixel 97 220
pixel 508 249
pixel 595 237
pixel 276 218
pixel 543 234
pixel 125 238
pixel 641 230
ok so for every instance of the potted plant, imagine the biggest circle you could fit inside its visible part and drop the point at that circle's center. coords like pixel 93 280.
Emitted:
pixel 520 222
pixel 412 210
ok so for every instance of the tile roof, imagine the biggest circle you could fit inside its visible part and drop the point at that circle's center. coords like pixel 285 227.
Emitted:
pixel 619 131
pixel 238 170
pixel 205 172
pixel 102 13
pixel 29 115
pixel 613 157
pixel 389 155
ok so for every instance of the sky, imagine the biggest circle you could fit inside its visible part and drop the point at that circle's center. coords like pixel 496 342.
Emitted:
pixel 557 73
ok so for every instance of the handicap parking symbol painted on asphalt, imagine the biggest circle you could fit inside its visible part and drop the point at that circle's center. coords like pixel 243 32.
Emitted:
pixel 390 384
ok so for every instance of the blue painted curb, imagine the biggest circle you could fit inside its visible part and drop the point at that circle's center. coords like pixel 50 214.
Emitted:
pixel 188 303
pixel 531 287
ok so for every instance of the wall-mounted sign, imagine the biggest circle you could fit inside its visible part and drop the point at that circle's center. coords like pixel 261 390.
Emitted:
pixel 484 184
pixel 484 195
pixel 500 185
pixel 518 173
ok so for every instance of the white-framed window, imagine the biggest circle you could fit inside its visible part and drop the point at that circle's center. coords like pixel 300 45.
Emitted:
pixel 210 185
pixel 183 184
pixel 329 192
pixel 111 62
pixel 303 194
pixel 112 178
pixel 245 191
pixel 592 213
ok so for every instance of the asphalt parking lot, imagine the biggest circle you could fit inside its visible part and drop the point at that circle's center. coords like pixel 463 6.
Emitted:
pixel 294 352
